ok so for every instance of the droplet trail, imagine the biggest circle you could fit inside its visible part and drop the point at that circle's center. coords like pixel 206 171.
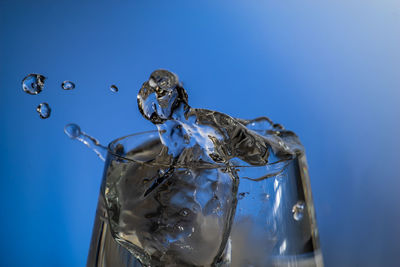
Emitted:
pixel 44 110
pixel 74 132
pixel 33 83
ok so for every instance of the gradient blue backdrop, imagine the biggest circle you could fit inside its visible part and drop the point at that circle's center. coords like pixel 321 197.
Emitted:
pixel 329 70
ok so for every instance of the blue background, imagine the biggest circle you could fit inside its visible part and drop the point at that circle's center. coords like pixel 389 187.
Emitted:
pixel 329 70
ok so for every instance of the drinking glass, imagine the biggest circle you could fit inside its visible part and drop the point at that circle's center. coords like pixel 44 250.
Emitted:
pixel 152 214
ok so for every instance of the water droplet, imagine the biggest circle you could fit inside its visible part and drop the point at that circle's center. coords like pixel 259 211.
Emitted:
pixel 33 83
pixel 44 110
pixel 114 88
pixel 68 85
pixel 242 195
pixel 72 130
pixel 298 210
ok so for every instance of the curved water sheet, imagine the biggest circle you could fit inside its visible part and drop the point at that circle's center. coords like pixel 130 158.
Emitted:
pixel 192 135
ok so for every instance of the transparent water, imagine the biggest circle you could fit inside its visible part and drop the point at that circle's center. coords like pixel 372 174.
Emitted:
pixel 209 190
pixel 33 83
pixel 162 228
pixel 43 110
pixel 114 88
pixel 173 216
pixel 67 85
pixel 74 132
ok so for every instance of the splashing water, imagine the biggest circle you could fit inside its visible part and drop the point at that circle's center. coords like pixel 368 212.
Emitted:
pixel 68 85
pixel 33 83
pixel 114 88
pixel 44 110
pixel 74 132
pixel 191 134
pixel 183 213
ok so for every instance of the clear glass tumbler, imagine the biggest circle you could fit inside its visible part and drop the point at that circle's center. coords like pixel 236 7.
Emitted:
pixel 154 215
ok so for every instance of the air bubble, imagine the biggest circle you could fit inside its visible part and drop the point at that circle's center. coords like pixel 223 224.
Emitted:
pixel 298 210
pixel 33 83
pixel 179 228
pixel 184 212
pixel 44 110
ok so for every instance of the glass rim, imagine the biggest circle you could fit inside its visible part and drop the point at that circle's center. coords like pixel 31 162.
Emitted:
pixel 205 165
